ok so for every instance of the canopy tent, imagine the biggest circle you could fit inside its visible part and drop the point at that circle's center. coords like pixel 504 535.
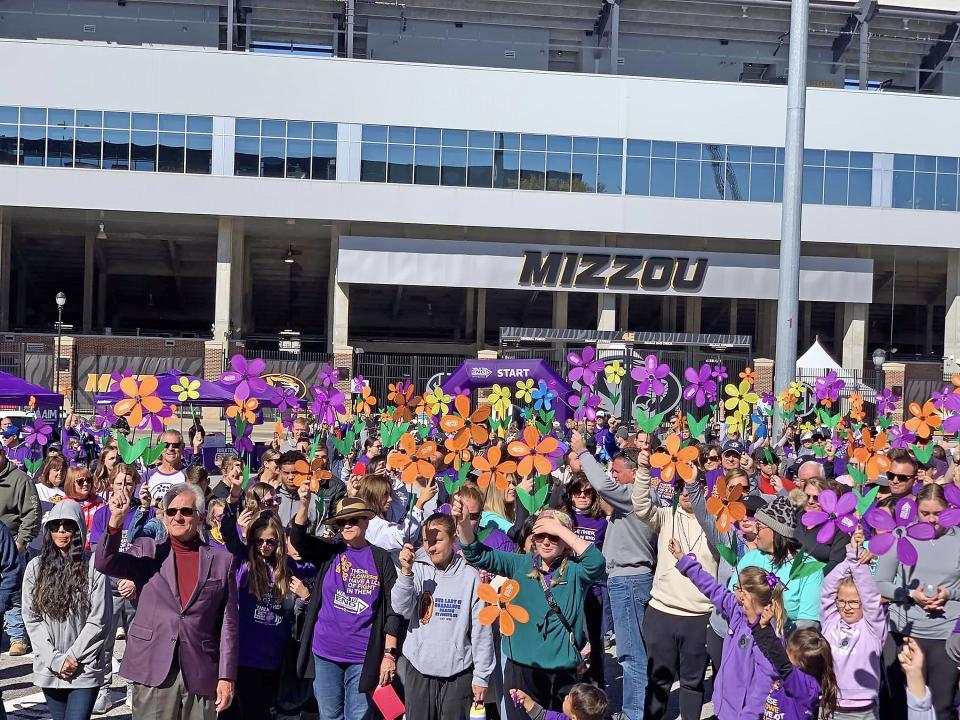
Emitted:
pixel 816 360
pixel 17 391
pixel 211 394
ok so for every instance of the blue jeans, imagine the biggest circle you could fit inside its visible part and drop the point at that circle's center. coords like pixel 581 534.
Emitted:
pixel 13 617
pixel 336 687
pixel 629 595
pixel 71 704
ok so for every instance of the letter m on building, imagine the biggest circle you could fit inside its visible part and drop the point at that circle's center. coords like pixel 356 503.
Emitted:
pixel 540 270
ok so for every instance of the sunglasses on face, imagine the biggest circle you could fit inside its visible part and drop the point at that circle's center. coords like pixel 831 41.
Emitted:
pixel 64 527
pixel 544 537
pixel 269 542
pixel 83 481
pixel 175 446
pixel 582 491
pixel 899 477
pixel 269 501
pixel 187 512
pixel 476 515
pixel 713 458
pixel 349 522
pixel 814 498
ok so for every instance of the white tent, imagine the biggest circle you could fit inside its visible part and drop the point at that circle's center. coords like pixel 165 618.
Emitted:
pixel 816 361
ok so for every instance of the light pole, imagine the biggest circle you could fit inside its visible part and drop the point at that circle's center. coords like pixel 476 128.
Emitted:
pixel 61 301
pixel 879 357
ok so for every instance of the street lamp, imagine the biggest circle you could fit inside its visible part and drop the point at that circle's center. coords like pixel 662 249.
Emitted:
pixel 61 301
pixel 879 357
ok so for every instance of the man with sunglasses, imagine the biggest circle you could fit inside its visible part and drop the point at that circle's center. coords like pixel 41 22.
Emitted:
pixel 181 651
pixel 902 473
pixel 171 470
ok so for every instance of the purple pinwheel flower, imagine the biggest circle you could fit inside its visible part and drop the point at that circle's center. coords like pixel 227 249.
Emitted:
pixel 768 399
pixel 719 373
pixel 701 385
pixel 37 434
pixel 359 382
pixel 650 377
pixel 886 401
pixel 940 397
pixel 244 377
pixel 951 423
pixel 328 376
pixel 951 516
pixel 899 437
pixel 828 387
pixel 837 514
pixel 327 402
pixel 244 441
pixel 285 398
pixel 585 405
pixel 584 366
pixel 155 421
pixel 898 530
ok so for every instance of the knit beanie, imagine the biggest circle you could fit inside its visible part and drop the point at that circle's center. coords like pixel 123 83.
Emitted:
pixel 780 516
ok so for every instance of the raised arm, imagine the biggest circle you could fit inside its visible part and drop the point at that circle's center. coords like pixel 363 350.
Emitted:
pixel 707 522
pixel 228 528
pixel 642 504
pixel 723 600
pixel 107 557
pixel 619 496
pixel 312 549
pixel 478 554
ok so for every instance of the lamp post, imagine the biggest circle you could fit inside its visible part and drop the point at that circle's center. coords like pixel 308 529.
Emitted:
pixel 61 301
pixel 879 357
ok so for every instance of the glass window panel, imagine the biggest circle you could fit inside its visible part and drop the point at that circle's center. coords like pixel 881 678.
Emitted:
pixel 428 136
pixel 532 169
pixel 481 139
pixel 778 185
pixel 584 177
pixel 812 185
pixel 172 153
pixel 480 166
pixel 59 146
pixel 688 178
pixel 246 158
pixel 453 164
pixel 144 121
pixel 558 172
pixel 33 116
pixel 324 160
pixel 376 133
pixel 9 114
pixel 298 158
pixel 299 130
pixel 88 148
pixel 533 142
pixel 454 138
pixel 610 174
pixel 246 126
pixel 947 165
pixel 946 192
pixel 638 176
pixel 507 141
pixel 861 160
pixel 8 144
pixel 780 155
pixel 663 149
pixel 903 189
pixel 119 120
pixel 373 162
pixel 903 162
pixel 861 188
pixel 273 128
pixel 737 178
pixel 63 118
pixel 738 153
pixel 638 148
pixel 924 195
pixel 926 163
pixel 400 134
pixel 662 173
pixel 200 124
pixel 713 152
pixel 400 162
pixel 89 118
pixel 116 149
pixel 143 151
pixel 687 151
pixel 712 180
pixel 273 157
pixel 813 158
pixel 506 169
pixel 837 158
pixel 33 144
pixel 427 164
pixel 763 155
pixel 324 131
pixel 199 153
pixel 761 183
pixel 835 186
pixel 559 143
pixel 585 145
pixel 173 123
pixel 611 146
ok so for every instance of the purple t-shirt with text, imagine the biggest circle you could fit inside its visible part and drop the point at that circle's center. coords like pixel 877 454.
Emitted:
pixel 350 589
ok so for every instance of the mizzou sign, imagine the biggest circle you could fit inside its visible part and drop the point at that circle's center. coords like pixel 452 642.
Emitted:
pixel 597 271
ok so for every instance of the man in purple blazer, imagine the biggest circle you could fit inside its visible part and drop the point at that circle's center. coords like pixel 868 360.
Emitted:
pixel 181 649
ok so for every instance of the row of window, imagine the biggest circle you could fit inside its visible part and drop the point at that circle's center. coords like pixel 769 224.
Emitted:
pixel 924 182
pixel 285 148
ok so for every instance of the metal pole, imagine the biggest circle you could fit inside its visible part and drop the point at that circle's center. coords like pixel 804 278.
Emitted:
pixel 864 69
pixel 231 15
pixel 351 7
pixel 615 37
pixel 788 294
pixel 56 365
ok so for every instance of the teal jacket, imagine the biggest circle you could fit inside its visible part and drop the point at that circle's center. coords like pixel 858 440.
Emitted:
pixel 543 642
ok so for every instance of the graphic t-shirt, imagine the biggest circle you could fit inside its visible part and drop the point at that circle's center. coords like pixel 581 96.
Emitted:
pixel 264 624
pixel 593 530
pixel 50 494
pixel 160 482
pixel 350 590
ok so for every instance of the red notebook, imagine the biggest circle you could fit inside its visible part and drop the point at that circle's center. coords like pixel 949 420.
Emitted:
pixel 388 702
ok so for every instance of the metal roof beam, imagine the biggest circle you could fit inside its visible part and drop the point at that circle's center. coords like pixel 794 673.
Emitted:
pixel 932 64
pixel 865 12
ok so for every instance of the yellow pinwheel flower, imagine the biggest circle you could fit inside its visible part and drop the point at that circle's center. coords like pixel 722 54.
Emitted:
pixel 438 402
pixel 807 427
pixel 524 388
pixel 186 389
pixel 740 398
pixel 614 372
pixel 796 389
pixel 502 400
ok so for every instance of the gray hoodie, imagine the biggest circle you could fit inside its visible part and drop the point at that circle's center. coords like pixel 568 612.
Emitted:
pixel 445 636
pixel 79 637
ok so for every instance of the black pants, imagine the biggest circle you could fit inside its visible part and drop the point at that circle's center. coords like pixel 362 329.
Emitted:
pixel 676 649
pixel 593 617
pixel 547 687
pixel 255 694
pixel 941 673
pixel 435 698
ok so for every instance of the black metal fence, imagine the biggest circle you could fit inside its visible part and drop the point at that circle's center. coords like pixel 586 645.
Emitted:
pixel 93 373
pixel 424 371
pixel 31 361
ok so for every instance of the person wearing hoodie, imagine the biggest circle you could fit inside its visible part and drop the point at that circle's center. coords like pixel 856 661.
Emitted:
pixel 67 610
pixel 447 655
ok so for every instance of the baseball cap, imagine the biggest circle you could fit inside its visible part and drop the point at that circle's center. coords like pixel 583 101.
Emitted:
pixel 12 431
pixel 732 446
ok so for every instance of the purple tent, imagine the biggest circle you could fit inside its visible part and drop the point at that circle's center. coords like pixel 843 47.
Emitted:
pixel 17 391
pixel 211 394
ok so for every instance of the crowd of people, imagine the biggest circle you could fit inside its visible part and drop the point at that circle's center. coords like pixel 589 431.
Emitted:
pixel 489 574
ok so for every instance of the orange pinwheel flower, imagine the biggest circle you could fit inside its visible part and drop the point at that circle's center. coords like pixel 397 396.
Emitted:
pixel 501 606
pixel 869 456
pixel 139 399
pixel 726 505
pixel 413 461
pixel 456 458
pixel 925 419
pixel 366 403
pixel 310 473
pixel 405 402
pixel 493 469
pixel 674 460
pixel 955 379
pixel 464 425
pixel 749 375
pixel 532 452
pixel 244 408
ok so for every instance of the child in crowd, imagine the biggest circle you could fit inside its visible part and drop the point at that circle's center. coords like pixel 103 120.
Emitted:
pixel 854 623
pixel 744 679
pixel 583 702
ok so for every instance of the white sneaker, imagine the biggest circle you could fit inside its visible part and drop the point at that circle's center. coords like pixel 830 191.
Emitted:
pixel 128 700
pixel 104 701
